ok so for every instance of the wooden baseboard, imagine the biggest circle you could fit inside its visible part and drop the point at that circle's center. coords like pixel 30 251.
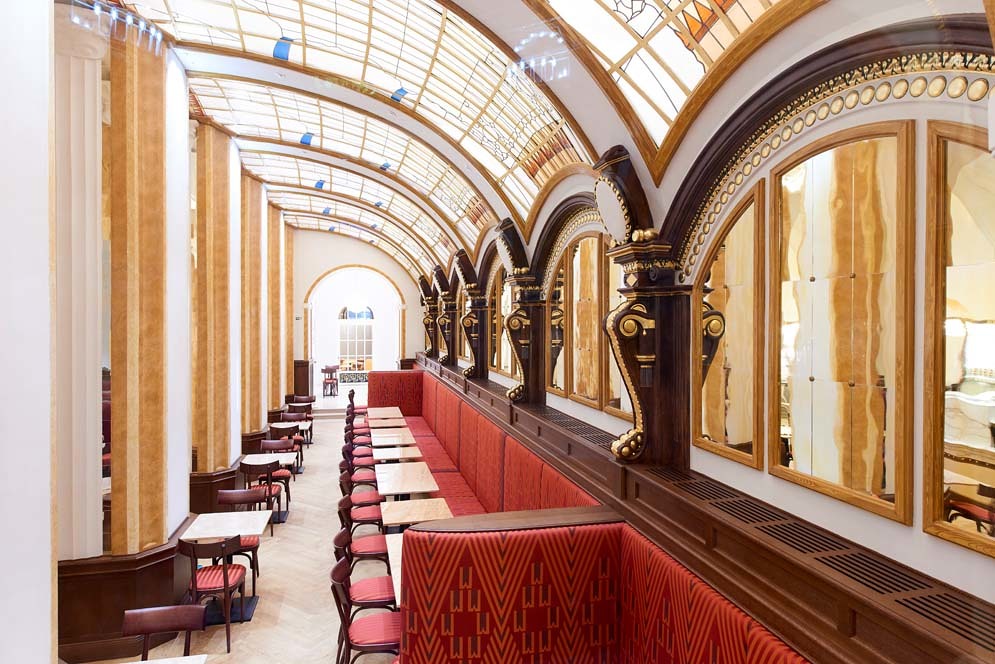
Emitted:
pixel 204 488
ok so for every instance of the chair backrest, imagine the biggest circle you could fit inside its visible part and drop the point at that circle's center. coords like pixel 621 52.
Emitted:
pixel 222 549
pixel 304 399
pixel 251 471
pixel 345 482
pixel 161 619
pixel 345 515
pixel 293 417
pixel 304 408
pixel 281 445
pixel 339 578
pixel 352 397
pixel 234 497
pixel 341 543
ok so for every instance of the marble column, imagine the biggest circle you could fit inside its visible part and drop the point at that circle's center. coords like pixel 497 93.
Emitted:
pixel 78 266
pixel 288 306
pixel 275 390
pixel 253 418
pixel 138 298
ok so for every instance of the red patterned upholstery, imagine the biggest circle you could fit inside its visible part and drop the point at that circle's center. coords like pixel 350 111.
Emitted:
pixel 281 474
pixel 557 491
pixel 522 477
pixel 976 511
pixel 670 616
pixel 362 498
pixel 428 393
pixel 458 494
pixel 419 426
pixel 468 419
pixel 490 464
pixel 447 421
pixel 369 545
pixel 362 452
pixel 435 455
pixel 396 388
pixel 375 589
pixel 366 514
pixel 364 475
pixel 212 577
pixel 381 628
pixel 544 595
pixel 250 542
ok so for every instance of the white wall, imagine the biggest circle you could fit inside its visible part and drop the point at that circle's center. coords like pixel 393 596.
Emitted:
pixel 235 302
pixel 178 370
pixel 26 557
pixel 317 252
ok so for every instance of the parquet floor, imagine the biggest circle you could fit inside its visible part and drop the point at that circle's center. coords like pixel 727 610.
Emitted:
pixel 295 621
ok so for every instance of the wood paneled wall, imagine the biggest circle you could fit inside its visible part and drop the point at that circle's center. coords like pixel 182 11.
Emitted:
pixel 138 298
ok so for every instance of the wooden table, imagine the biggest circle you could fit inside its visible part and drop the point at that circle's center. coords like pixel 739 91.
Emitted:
pixel 285 458
pixel 220 525
pixel 397 479
pixel 383 413
pixel 407 512
pixel 410 453
pixel 192 659
pixel 394 546
pixel 389 423
pixel 392 437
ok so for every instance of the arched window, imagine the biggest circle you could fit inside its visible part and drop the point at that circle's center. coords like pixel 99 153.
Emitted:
pixel 579 362
pixel 356 339
pixel 501 301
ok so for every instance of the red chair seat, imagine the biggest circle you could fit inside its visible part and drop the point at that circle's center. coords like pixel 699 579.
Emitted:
pixel 976 511
pixel 364 498
pixel 361 430
pixel 250 542
pixel 383 628
pixel 364 475
pixel 362 452
pixel 360 409
pixel 272 489
pixel 369 545
pixel 364 462
pixel 212 577
pixel 367 513
pixel 282 474
pixel 362 440
pixel 377 589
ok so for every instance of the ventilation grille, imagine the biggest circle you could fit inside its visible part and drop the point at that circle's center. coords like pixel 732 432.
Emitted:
pixel 802 537
pixel 749 511
pixel 705 490
pixel 593 435
pixel 670 474
pixel 975 624
pixel 874 573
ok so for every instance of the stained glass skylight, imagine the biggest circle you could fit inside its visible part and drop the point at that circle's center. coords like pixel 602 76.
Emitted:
pixel 416 53
pixel 294 201
pixel 307 174
pixel 256 110
pixel 657 51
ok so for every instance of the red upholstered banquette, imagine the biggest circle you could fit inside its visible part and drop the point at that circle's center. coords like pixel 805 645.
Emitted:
pixel 584 593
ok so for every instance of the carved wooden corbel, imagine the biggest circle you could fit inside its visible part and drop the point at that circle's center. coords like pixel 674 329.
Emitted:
pixel 445 320
pixel 713 327
pixel 518 325
pixel 631 330
pixel 428 320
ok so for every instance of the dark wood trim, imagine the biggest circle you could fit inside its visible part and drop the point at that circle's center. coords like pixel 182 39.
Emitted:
pixel 251 439
pixel 95 592
pixel 551 230
pixel 528 520
pixel 303 378
pixel 204 488
pixel 816 590
pixel 942 33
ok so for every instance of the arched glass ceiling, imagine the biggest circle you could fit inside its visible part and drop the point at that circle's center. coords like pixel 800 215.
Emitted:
pixel 286 170
pixel 305 222
pixel 417 53
pixel 256 110
pixel 657 51
pixel 296 201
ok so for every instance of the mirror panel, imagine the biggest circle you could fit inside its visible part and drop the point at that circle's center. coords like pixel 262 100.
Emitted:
pixel 556 365
pixel 617 395
pixel 585 319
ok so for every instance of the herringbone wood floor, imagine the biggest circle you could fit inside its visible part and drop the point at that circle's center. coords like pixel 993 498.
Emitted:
pixel 295 621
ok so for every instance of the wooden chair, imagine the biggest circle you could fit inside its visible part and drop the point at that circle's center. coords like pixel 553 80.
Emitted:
pixel 358 458
pixel 263 472
pixel 295 434
pixel 164 619
pixel 983 517
pixel 284 474
pixel 367 547
pixel 361 410
pixel 375 592
pixel 361 499
pixel 352 517
pixel 305 410
pixel 219 582
pixel 232 499
pixel 380 633
pixel 361 477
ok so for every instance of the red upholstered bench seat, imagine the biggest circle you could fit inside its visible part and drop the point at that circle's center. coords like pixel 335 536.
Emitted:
pixel 418 426
pixel 435 456
pixel 458 494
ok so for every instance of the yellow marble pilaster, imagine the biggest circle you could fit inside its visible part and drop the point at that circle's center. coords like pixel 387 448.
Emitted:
pixel 274 238
pixel 252 265
pixel 288 295
pixel 210 279
pixel 138 295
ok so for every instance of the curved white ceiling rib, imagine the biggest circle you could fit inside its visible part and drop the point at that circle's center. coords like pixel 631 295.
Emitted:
pixel 429 60
pixel 298 200
pixel 281 169
pixel 255 110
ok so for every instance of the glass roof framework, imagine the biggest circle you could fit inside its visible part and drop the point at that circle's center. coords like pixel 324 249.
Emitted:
pixel 256 110
pixel 305 222
pixel 417 53
pixel 657 51
pixel 292 171
pixel 298 202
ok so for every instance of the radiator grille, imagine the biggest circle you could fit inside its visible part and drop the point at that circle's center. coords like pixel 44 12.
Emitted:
pixel 973 623
pixel 802 537
pixel 706 490
pixel 875 573
pixel 749 511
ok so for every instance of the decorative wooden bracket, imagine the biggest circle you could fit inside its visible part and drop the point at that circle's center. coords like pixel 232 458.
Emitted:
pixel 519 326
pixel 713 327
pixel 631 330
pixel 446 321
pixel 557 319
pixel 473 323
pixel 428 320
